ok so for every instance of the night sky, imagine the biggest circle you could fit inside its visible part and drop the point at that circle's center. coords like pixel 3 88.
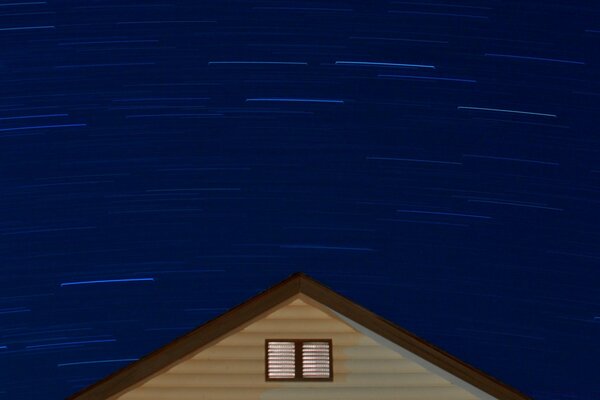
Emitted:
pixel 436 162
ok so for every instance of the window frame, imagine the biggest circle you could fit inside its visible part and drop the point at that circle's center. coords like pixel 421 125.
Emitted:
pixel 298 361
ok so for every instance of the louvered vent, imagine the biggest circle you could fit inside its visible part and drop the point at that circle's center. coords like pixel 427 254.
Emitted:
pixel 281 362
pixel 316 361
pixel 298 360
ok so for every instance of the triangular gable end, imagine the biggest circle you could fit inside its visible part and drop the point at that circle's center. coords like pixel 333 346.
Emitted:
pixel 360 340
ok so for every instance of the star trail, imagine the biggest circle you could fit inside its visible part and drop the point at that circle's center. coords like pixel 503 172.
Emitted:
pixel 436 162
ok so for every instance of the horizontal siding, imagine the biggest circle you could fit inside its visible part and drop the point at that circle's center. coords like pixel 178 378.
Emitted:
pixel 300 393
pixel 298 312
pixel 253 380
pixel 340 367
pixel 356 352
pixel 234 368
pixel 299 326
pixel 252 338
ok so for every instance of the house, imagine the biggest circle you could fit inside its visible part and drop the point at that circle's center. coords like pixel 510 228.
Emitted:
pixel 299 340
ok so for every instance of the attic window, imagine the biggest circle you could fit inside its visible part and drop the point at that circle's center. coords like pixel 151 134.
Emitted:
pixel 298 360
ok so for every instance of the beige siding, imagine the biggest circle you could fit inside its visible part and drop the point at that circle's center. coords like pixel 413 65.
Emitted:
pixel 234 367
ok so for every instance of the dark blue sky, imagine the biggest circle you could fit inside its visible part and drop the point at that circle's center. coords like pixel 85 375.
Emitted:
pixel 436 162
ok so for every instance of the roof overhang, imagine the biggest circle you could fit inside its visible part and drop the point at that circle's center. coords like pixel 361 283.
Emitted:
pixel 154 363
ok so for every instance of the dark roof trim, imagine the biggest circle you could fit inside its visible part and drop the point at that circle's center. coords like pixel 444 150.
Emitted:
pixel 143 369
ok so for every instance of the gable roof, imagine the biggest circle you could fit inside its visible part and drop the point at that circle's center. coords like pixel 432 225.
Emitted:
pixel 148 366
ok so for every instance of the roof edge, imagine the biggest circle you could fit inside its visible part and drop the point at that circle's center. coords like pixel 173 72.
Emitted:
pixel 408 340
pixel 148 366
pixel 165 356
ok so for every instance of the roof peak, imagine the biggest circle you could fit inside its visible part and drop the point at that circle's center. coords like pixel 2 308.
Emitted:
pixel 297 283
pixel 300 274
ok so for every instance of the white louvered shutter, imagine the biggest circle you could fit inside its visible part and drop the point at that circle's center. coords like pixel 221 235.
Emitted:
pixel 281 363
pixel 316 361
